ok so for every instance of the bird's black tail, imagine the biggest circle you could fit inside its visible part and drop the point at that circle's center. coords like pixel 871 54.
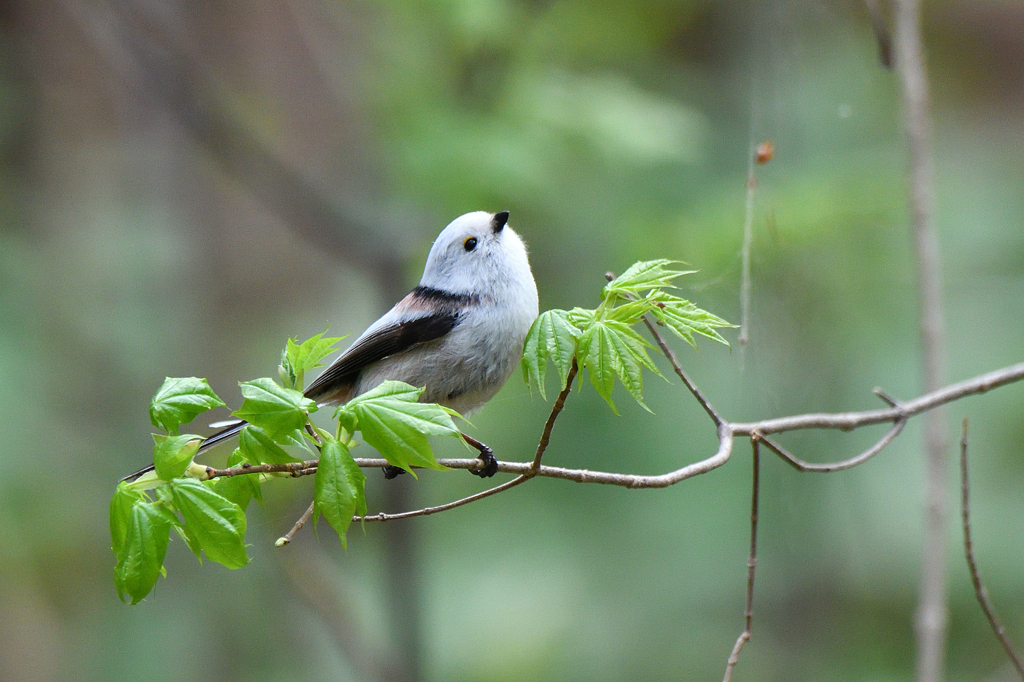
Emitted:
pixel 219 437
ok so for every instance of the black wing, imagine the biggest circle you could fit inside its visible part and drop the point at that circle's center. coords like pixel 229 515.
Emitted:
pixel 382 343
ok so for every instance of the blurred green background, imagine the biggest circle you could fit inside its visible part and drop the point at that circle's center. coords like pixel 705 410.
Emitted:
pixel 185 185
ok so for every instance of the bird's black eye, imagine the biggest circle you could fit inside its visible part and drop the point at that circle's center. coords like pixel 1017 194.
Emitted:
pixel 469 244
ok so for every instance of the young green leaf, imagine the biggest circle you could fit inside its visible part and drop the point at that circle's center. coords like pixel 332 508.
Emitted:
pixel 686 319
pixel 260 448
pixel 631 311
pixel 299 358
pixel 581 318
pixel 238 489
pixel 179 401
pixel 173 454
pixel 339 490
pixel 121 516
pixel 165 497
pixel 214 523
pixel 642 276
pixel 278 411
pixel 610 348
pixel 143 548
pixel 397 426
pixel 553 337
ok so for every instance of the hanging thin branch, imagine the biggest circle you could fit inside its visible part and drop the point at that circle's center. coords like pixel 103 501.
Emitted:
pixel 748 620
pixel 972 566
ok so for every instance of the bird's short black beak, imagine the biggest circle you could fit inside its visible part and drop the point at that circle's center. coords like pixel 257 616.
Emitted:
pixel 499 220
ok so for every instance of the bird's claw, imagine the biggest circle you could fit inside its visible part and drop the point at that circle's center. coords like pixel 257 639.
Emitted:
pixel 490 464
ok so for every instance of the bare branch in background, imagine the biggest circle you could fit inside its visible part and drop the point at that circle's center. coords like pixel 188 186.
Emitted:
pixel 160 64
pixel 748 240
pixel 882 34
pixel 913 77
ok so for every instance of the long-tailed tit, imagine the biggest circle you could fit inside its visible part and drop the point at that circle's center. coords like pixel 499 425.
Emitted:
pixel 459 333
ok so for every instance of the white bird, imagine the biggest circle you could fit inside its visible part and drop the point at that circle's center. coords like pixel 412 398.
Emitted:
pixel 459 334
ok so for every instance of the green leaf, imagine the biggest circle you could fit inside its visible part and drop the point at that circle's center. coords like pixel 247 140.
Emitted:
pixel 165 496
pixel 278 411
pixel 339 490
pixel 121 516
pixel 552 336
pixel 299 358
pixel 610 348
pixel 582 318
pixel 143 548
pixel 631 311
pixel 686 319
pixel 214 523
pixel 173 454
pixel 397 426
pixel 641 276
pixel 179 401
pixel 238 489
pixel 258 447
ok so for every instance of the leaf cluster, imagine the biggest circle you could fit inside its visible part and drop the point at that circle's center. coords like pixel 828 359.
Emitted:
pixel 603 340
pixel 209 514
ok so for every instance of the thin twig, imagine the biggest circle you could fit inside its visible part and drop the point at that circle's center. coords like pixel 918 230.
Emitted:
pixel 748 240
pixel 847 421
pixel 303 520
pixel 556 409
pixel 801 465
pixel 979 588
pixel 681 374
pixel 427 511
pixel 885 396
pixel 748 621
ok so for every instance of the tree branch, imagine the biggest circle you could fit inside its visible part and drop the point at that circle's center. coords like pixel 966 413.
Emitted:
pixel 844 421
pixel 847 421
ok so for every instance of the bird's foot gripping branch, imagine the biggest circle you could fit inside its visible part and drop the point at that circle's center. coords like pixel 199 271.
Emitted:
pixel 206 506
